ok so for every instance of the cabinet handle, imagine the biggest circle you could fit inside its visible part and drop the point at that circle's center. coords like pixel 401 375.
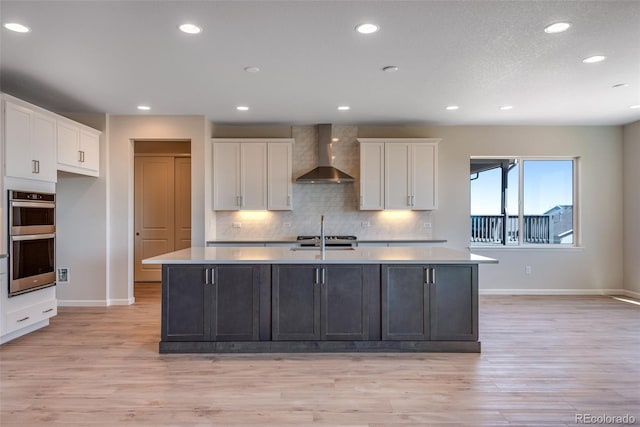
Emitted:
pixel 425 275
pixel 213 275
pixel 23 319
pixel 206 276
pixel 37 166
pixel 317 271
pixel 413 200
pixel 408 200
pixel 433 276
pixel 80 156
pixel 323 277
pixel 47 311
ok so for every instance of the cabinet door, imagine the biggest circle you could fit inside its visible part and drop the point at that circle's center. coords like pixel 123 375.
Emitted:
pixel 19 162
pixel 253 166
pixel 184 292
pixel 344 303
pixel 396 176
pixel 90 151
pixel 235 306
pixel 372 176
pixel 454 303
pixel 405 302
pixel 43 148
pixel 226 176
pixel 296 302
pixel 424 176
pixel 68 141
pixel 279 169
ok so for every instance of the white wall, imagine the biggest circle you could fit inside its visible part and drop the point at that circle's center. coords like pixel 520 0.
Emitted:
pixel 81 225
pixel 597 266
pixel 123 130
pixel 632 209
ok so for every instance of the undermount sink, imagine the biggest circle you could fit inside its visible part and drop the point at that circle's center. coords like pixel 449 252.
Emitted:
pixel 317 248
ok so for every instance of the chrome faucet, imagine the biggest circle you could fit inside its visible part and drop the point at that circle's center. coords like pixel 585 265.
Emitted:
pixel 322 239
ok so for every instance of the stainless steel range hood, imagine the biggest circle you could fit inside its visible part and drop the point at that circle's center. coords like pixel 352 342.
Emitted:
pixel 325 173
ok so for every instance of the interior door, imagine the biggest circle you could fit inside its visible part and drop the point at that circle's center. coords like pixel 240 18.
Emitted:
pixel 154 214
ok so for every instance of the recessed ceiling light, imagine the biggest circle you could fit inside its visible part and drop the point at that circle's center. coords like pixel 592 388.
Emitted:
pixel 144 107
pixel 344 108
pixel 367 28
pixel 242 108
pixel 190 28
pixel 620 85
pixel 506 107
pixel 635 106
pixel 18 28
pixel 594 59
pixel 390 69
pixel 452 107
pixel 251 69
pixel 558 27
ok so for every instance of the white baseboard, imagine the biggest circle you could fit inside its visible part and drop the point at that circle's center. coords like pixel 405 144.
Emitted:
pixel 123 301
pixel 94 303
pixel 553 292
pixel 631 294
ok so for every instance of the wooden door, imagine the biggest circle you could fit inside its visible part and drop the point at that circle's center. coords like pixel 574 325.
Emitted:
pixel 424 176
pixel 182 203
pixel 454 303
pixel 18 139
pixel 154 214
pixel 405 302
pixel 295 293
pixel 253 176
pixel 344 303
pixel 184 298
pixel 372 176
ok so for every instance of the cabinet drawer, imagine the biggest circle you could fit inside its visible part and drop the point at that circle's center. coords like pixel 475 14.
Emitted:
pixel 29 315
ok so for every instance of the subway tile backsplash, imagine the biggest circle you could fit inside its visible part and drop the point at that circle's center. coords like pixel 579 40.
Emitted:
pixel 337 202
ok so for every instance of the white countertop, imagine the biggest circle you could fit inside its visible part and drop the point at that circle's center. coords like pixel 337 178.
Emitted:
pixel 284 255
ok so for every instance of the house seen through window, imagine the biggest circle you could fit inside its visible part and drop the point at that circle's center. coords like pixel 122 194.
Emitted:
pixel 520 201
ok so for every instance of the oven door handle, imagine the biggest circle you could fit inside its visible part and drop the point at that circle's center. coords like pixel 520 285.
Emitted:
pixel 33 237
pixel 44 205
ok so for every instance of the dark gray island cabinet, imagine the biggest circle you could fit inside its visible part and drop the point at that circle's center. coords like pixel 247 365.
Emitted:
pixel 319 308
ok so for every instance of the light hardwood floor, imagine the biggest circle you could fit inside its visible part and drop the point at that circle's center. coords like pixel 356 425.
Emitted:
pixel 544 360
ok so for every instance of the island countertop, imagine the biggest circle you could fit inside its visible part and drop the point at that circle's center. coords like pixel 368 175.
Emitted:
pixel 285 255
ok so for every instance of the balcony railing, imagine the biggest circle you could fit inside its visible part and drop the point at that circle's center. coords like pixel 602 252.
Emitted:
pixel 491 229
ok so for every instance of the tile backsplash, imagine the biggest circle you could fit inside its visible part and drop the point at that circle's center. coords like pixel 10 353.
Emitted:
pixel 337 202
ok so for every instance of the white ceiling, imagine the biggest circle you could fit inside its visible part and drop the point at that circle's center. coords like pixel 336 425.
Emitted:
pixel 110 56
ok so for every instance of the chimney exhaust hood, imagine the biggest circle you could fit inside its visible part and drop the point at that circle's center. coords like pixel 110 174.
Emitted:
pixel 325 173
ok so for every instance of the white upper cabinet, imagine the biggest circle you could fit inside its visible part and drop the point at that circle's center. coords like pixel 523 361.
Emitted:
pixel 252 174
pixel 78 148
pixel 398 173
pixel 279 168
pixel 372 176
pixel 30 141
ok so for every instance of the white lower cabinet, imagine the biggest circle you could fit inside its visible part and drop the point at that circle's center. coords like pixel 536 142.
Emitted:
pixel 24 313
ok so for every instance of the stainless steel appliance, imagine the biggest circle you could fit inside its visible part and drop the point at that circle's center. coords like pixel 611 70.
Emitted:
pixel 31 241
pixel 329 241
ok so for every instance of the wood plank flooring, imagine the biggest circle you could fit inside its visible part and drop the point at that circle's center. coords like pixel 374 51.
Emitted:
pixel 544 360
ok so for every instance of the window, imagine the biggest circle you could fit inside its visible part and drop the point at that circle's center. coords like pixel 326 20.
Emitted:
pixel 519 201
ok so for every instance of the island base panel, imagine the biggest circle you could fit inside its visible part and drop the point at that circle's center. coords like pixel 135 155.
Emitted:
pixel 319 346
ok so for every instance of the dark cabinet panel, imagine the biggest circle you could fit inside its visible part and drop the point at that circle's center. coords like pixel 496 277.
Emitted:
pixel 215 302
pixel 184 296
pixel 325 302
pixel 235 303
pixel 405 302
pixel 296 302
pixel 454 303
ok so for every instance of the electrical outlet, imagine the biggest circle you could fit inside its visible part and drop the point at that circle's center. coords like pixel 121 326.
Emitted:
pixel 527 269
pixel 63 275
pixel 237 225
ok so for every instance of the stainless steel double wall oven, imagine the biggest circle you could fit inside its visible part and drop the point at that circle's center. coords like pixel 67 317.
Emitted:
pixel 32 233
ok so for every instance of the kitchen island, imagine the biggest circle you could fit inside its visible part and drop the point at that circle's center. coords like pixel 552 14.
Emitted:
pixel 283 299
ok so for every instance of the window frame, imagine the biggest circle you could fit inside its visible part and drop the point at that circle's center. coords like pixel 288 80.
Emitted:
pixel 577 235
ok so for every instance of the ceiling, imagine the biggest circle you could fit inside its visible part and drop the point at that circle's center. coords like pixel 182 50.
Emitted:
pixel 110 56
